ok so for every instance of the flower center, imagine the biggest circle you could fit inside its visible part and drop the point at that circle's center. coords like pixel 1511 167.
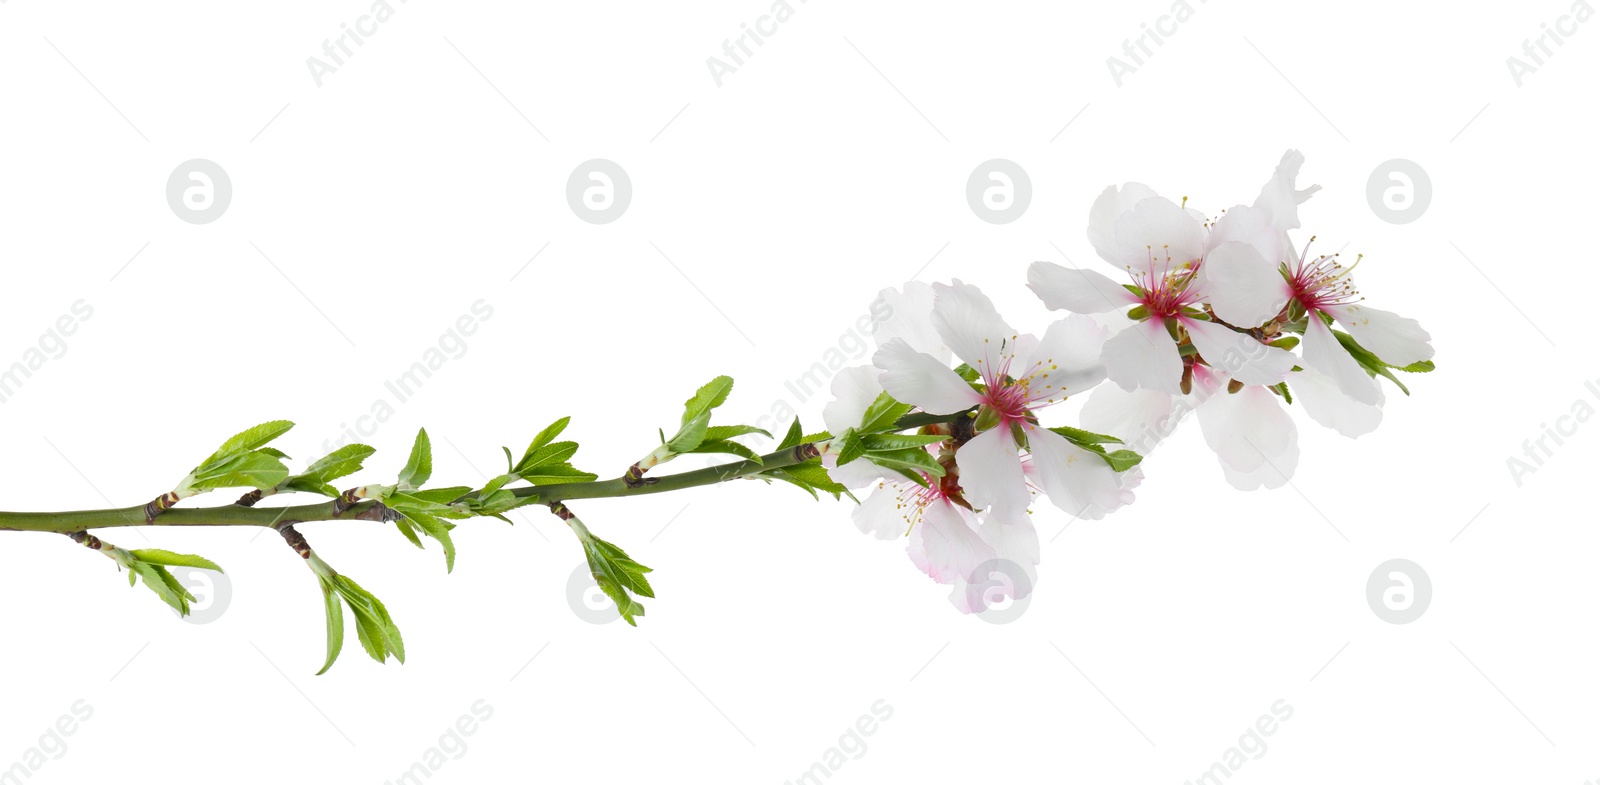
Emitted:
pixel 1323 282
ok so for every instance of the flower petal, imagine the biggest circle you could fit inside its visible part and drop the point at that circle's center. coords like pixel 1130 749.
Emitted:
pixel 1143 355
pixel 1271 474
pixel 1158 236
pixel 1238 355
pixel 1140 418
pixel 1395 339
pixel 909 316
pixel 1078 291
pixel 1253 227
pixel 885 513
pixel 972 328
pixel 1246 429
pixel 1066 361
pixel 991 474
pixel 854 389
pixel 922 381
pixel 1279 197
pixel 1075 480
pixel 1108 207
pixel 1323 352
pixel 1242 286
pixel 945 545
pixel 1326 403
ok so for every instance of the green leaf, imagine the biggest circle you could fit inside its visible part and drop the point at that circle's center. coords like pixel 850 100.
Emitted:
pixel 275 452
pixel 731 448
pixel 376 630
pixel 334 615
pixel 915 460
pixel 249 439
pixel 420 466
pixel 547 455
pixel 1420 366
pixel 546 436
pixel 404 525
pixel 158 580
pixel 438 530
pixel 1122 460
pixel 708 397
pixel 1368 360
pixel 158 556
pixel 792 438
pixel 690 435
pixel 883 413
pixel 616 573
pixel 969 374
pixel 558 474
pixel 725 432
pixel 342 462
pixel 850 447
pixel 1085 437
pixel 251 469
pixel 811 476
pixel 887 442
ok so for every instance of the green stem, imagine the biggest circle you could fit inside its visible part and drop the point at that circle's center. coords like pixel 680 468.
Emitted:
pixel 239 515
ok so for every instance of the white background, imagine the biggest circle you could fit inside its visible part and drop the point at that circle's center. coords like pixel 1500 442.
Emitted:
pixel 369 213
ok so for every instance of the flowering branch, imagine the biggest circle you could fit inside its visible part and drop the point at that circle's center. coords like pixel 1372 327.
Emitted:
pixel 946 426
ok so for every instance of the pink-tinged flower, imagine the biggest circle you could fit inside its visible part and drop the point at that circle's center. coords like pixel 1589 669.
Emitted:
pixel 1019 376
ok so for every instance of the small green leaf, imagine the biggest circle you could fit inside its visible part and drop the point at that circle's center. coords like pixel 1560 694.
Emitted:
pixel 916 460
pixel 377 631
pixel 850 447
pixel 730 448
pixel 725 432
pixel 1085 437
pixel 249 439
pixel 690 435
pixel 419 467
pixel 546 436
pixel 882 414
pixel 708 397
pixel 438 530
pixel 1122 460
pixel 886 442
pixel 342 462
pixel 158 556
pixel 251 469
pixel 792 438
pixel 616 573
pixel 334 616
pixel 157 579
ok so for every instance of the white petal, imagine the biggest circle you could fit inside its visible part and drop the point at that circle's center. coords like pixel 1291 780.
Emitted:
pixel 1395 339
pixel 885 514
pixel 1140 418
pixel 1279 197
pixel 1157 236
pixel 908 314
pixel 991 474
pixel 1331 408
pixel 854 389
pixel 922 381
pixel 1238 355
pixel 1242 286
pixel 1253 227
pixel 1014 541
pixel 1066 362
pixel 1143 355
pixel 858 473
pixel 1108 207
pixel 1246 429
pixel 945 545
pixel 1322 351
pixel 1270 475
pixel 992 584
pixel 971 327
pixel 1078 291
pixel 1073 478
